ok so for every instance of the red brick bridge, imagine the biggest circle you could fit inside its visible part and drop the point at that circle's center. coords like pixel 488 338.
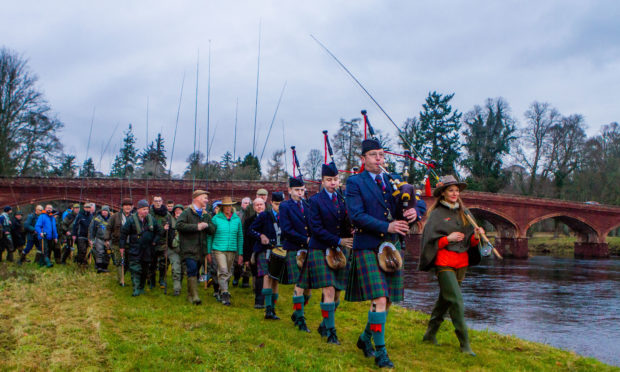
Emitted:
pixel 511 215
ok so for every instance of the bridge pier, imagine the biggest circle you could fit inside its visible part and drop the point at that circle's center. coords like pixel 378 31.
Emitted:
pixel 591 250
pixel 512 247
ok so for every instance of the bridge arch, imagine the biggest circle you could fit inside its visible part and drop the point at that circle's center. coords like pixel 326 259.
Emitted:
pixel 606 233
pixel 506 227
pixel 584 232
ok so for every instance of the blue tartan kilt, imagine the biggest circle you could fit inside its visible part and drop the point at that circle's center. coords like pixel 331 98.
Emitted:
pixel 262 266
pixel 290 274
pixel 367 281
pixel 316 274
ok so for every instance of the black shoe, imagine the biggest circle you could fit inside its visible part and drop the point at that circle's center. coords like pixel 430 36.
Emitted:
pixel 235 282
pixel 294 318
pixel 226 299
pixel 322 330
pixel 270 313
pixel 301 324
pixel 245 283
pixel 381 358
pixel 332 338
pixel 366 347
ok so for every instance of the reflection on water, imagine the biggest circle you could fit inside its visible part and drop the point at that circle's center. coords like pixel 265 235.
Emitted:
pixel 568 303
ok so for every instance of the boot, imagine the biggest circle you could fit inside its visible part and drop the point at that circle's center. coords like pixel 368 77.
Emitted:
pixel 430 334
pixel 381 358
pixel 135 280
pixel 364 342
pixel 270 313
pixel 245 282
pixel 322 330
pixel 332 338
pixel 38 258
pixel 226 299
pixel 48 262
pixel 119 275
pixel 192 282
pixel 9 256
pixel 22 258
pixel 177 287
pixel 463 338
pixel 300 322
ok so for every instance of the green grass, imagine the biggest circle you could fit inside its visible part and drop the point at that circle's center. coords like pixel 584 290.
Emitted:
pixel 563 246
pixel 60 319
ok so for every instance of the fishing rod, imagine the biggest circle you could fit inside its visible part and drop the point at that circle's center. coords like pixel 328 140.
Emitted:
pixel 208 118
pixel 92 120
pixel 176 125
pixel 328 146
pixel 400 132
pixel 260 22
pixel 272 120
pixel 284 149
pixel 196 119
pixel 105 149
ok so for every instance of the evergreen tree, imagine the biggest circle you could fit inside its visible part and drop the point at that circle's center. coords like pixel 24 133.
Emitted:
pixel 125 161
pixel 488 137
pixel 153 159
pixel 276 170
pixel 196 167
pixel 67 167
pixel 435 135
pixel 88 168
pixel 227 161
pixel 250 161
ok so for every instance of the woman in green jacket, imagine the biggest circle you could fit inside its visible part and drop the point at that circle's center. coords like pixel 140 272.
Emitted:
pixel 226 245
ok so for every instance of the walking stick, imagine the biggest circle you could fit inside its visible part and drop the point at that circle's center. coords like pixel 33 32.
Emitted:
pixel 471 220
pixel 122 267
pixel 206 275
pixel 166 263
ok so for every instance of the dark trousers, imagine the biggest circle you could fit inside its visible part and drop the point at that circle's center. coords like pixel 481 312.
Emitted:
pixel 139 270
pixel 82 249
pixel 6 244
pixel 66 250
pixel 192 267
pixel 30 242
pixel 158 264
pixel 49 246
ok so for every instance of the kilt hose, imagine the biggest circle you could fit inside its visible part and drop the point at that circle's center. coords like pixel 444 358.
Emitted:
pixel 316 274
pixel 290 274
pixel 367 281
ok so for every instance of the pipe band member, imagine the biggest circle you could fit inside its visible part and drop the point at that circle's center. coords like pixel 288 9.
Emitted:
pixel 296 235
pixel 371 207
pixel 449 245
pixel 330 229
pixel 266 231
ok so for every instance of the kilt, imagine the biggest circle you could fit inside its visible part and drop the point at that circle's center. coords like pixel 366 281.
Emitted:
pixel 316 274
pixel 261 264
pixel 290 274
pixel 367 281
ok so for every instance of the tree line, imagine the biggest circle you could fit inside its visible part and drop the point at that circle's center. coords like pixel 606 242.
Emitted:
pixel 543 153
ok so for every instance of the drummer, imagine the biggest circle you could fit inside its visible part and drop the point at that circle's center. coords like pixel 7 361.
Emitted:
pixel 296 235
pixel 266 231
pixel 330 228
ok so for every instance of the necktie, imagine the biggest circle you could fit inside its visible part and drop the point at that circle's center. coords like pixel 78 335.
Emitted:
pixel 301 207
pixel 380 183
pixel 335 199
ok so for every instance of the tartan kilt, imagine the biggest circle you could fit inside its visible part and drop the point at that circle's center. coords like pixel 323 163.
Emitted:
pixel 367 281
pixel 316 274
pixel 290 274
pixel 261 263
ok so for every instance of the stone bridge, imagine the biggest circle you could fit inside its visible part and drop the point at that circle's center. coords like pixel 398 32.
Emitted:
pixel 511 215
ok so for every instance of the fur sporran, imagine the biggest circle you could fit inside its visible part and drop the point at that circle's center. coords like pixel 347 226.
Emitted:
pixel 389 258
pixel 335 259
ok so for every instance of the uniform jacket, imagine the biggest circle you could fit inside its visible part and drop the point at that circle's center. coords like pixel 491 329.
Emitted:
pixel 228 235
pixel 81 224
pixel 46 224
pixel 248 239
pixel 141 236
pixel 98 227
pixel 294 224
pixel 370 208
pixel 264 224
pixel 192 242
pixel 328 222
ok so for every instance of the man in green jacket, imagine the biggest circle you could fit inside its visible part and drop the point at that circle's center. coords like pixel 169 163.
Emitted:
pixel 193 225
pixel 226 245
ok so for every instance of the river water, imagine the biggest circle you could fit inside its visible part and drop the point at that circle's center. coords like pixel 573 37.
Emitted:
pixel 567 303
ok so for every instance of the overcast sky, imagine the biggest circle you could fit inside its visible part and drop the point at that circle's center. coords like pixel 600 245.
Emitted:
pixel 111 55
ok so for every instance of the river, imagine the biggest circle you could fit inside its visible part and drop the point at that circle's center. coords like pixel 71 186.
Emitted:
pixel 567 303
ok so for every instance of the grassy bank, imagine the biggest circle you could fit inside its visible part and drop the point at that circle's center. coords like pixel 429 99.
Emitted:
pixel 545 244
pixel 60 319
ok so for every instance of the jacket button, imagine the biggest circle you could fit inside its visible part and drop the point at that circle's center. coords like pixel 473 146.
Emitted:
pixel 385 213
pixel 381 234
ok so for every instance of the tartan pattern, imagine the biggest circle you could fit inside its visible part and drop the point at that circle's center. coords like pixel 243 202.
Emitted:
pixel 290 274
pixel 367 281
pixel 261 263
pixel 316 274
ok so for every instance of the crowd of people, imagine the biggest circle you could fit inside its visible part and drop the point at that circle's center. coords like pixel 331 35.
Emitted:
pixel 336 240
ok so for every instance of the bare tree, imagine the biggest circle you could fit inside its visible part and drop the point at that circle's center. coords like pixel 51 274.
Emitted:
pixel 536 139
pixel 312 165
pixel 568 139
pixel 276 170
pixel 348 143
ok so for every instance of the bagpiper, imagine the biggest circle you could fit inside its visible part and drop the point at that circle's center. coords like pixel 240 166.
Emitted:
pixel 372 209
pixel 296 235
pixel 330 228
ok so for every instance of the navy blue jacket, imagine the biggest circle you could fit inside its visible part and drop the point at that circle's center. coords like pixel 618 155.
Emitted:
pixel 81 224
pixel 369 209
pixel 263 224
pixel 328 223
pixel 294 224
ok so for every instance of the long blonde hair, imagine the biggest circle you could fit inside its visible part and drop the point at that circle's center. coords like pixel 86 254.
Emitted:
pixel 461 209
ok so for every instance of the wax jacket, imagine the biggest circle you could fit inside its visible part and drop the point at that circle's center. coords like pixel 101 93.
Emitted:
pixel 192 242
pixel 294 224
pixel 141 237
pixel 328 221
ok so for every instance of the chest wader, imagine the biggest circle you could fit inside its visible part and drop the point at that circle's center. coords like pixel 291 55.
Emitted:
pixel 139 268
pixel 102 254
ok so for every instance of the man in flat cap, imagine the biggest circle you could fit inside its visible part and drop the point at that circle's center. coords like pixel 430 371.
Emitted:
pixel 193 225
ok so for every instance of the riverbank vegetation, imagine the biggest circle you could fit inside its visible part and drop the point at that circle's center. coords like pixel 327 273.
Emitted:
pixel 564 246
pixel 61 319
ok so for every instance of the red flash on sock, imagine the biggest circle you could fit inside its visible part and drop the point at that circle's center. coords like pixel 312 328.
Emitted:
pixel 375 327
pixel 296 306
pixel 325 313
